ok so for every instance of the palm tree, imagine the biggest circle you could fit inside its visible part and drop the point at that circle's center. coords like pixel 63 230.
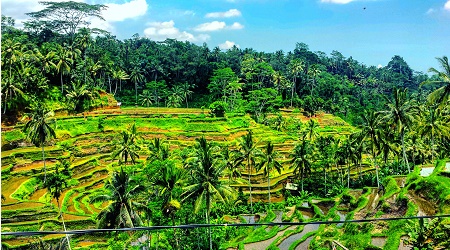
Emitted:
pixel 370 130
pixel 63 63
pixel 433 125
pixel 313 71
pixel 268 163
pixel 55 185
pixel 120 213
pixel 136 77
pixel 206 185
pixel 302 159
pixel 401 113
pixel 159 150
pixel 310 131
pixel 11 88
pixel 175 97
pixel 146 98
pixel 233 161
pixel 441 95
pixel 78 94
pixel 348 152
pixel 248 149
pixel 119 75
pixel 186 91
pixel 127 147
pixel 169 177
pixel 295 67
pixel 39 131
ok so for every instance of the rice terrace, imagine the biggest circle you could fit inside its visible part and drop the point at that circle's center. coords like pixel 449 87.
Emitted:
pixel 162 143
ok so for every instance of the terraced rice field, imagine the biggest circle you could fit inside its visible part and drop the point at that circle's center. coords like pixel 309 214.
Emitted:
pixel 88 147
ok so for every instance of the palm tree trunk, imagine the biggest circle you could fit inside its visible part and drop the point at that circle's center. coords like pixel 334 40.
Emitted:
pixel 292 92
pixel 62 90
pixel 376 170
pixel 405 159
pixel 432 147
pixel 174 231
pixel 348 175
pixel 250 185
pixel 268 185
pixel 208 204
pixel 43 158
pixel 135 88
pixel 64 225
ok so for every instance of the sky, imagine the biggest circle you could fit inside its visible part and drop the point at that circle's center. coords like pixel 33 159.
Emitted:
pixel 371 31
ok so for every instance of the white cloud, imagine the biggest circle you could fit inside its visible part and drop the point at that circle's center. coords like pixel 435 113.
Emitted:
pixel 119 12
pixel 379 66
pixel 447 5
pixel 229 13
pixel 160 31
pixel 236 26
pixel 227 45
pixel 216 25
pixel 17 9
pixel 337 1
pixel 430 11
pixel 212 26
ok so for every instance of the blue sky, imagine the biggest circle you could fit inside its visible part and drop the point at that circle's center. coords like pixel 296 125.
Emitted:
pixel 371 31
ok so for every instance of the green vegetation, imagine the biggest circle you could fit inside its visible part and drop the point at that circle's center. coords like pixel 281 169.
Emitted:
pixel 350 142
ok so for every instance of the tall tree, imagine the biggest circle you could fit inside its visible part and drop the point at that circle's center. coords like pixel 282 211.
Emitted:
pixel 136 77
pixel 127 147
pixel 370 130
pixel 302 159
pixel 64 17
pixel 55 185
pixel 121 212
pixel 401 112
pixel 206 185
pixel 39 131
pixel 64 62
pixel 268 162
pixel 249 150
pixel 441 95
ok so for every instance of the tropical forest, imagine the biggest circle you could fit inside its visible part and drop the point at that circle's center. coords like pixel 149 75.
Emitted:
pixel 111 143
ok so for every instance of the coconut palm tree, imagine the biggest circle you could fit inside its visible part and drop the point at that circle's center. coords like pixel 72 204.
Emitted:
pixel 146 98
pixel 400 113
pixel 55 185
pixel 186 91
pixel 39 131
pixel 233 161
pixel 314 72
pixel 268 162
pixel 127 147
pixel 169 178
pixel 11 88
pixel 78 94
pixel 119 192
pixel 63 63
pixel 206 186
pixel 302 159
pixel 137 77
pixel 248 149
pixel 434 125
pixel 310 131
pixel 295 67
pixel 159 150
pixel 441 95
pixel 370 130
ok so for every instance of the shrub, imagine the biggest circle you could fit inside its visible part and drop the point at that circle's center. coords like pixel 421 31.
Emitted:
pixel 218 108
